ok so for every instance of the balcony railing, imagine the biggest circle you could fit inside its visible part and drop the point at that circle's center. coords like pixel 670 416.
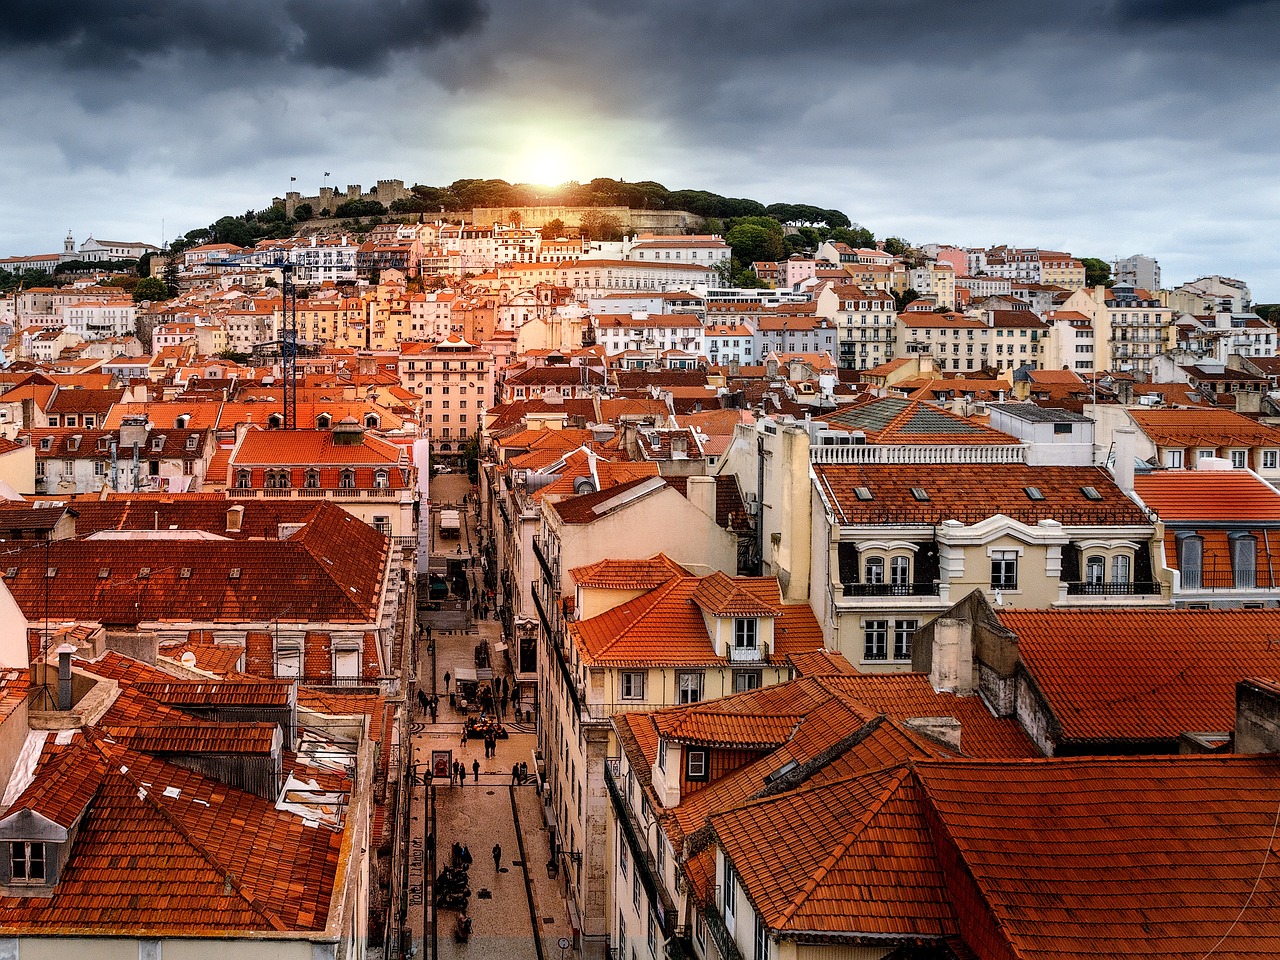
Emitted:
pixel 1221 580
pixel 725 944
pixel 542 562
pixel 890 589
pixel 641 860
pixel 321 493
pixel 889 453
pixel 1125 588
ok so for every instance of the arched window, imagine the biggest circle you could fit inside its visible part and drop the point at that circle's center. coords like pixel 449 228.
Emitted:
pixel 900 575
pixel 278 479
pixel 324 421
pixel 873 570
pixel 312 479
pixel 244 479
pixel 1095 571
pixel 371 421
pixel 275 421
pixel 347 480
pixel 380 479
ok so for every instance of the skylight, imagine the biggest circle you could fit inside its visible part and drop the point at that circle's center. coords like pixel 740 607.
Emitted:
pixel 1033 493
pixel 920 493
pixel 1091 493
pixel 863 493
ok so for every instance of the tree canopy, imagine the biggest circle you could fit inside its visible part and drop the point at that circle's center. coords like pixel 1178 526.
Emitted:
pixel 1097 273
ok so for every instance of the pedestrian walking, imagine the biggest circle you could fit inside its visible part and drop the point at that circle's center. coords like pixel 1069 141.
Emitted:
pixel 446 681
pixel 497 857
pixel 475 770
pixel 457 772
pixel 515 774
pixel 433 711
pixel 524 771
pixel 464 734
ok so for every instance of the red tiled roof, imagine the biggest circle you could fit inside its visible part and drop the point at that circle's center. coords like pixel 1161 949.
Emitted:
pixel 1203 428
pixel 1143 675
pixel 725 596
pixel 628 574
pixel 1222 496
pixel 972 492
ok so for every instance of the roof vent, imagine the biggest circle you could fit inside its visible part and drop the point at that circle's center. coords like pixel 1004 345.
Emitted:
pixel 185 573
pixel 233 573
pixel 104 572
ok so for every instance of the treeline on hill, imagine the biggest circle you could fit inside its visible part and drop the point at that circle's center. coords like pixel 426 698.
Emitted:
pixel 68 270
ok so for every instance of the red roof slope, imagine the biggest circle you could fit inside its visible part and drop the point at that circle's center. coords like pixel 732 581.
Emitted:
pixel 1217 496
pixel 1144 675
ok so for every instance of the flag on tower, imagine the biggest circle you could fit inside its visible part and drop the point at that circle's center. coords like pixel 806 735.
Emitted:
pixel 292 179
pixel 326 173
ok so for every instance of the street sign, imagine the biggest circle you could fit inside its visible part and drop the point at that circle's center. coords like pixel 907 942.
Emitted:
pixel 564 943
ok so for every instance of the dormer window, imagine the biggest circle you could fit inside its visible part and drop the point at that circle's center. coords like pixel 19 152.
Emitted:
pixel 380 479
pixel 192 442
pixel 744 633
pixel 347 480
pixel 324 421
pixel 46 443
pixel 244 479
pixel 157 444
pixel 26 862
pixel 312 479
pixel 371 421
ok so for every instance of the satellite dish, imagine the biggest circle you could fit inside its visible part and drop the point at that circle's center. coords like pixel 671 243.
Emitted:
pixel 188 659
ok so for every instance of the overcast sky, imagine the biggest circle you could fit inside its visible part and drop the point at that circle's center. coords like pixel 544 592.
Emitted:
pixel 1102 127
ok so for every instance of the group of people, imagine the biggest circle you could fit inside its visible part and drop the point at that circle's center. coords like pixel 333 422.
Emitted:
pixel 458 772
pixel 428 703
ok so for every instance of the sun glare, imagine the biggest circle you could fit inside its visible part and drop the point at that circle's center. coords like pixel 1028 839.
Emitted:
pixel 545 165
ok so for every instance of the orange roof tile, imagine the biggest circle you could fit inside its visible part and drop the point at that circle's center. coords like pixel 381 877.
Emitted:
pixel 1208 495
pixel 1100 673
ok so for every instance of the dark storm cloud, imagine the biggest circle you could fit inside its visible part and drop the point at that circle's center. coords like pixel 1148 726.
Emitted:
pixel 353 36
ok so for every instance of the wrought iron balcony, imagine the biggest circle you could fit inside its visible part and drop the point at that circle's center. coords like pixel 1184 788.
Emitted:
pixel 890 589
pixel 1119 588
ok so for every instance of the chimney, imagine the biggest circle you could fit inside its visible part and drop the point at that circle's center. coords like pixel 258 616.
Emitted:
pixel 64 675
pixel 946 730
pixel 701 492
pixel 951 669
pixel 1126 441
pixel 235 517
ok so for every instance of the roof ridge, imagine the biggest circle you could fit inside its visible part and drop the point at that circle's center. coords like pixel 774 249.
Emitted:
pixel 147 795
pixel 842 847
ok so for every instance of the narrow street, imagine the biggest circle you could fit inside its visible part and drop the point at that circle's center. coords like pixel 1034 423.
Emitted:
pixel 517 910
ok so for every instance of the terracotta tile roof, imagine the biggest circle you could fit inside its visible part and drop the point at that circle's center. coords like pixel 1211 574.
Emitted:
pixel 1203 428
pixel 908 696
pixel 725 596
pixel 1102 857
pixel 628 574
pixel 665 625
pixel 1097 670
pixel 312 448
pixel 814 860
pixel 590 507
pixel 202 737
pixel 164 854
pixel 972 492
pixel 331 570
pixel 820 663
pixel 1221 496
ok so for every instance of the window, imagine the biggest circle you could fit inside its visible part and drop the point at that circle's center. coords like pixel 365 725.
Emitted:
pixel 278 479
pixel 244 479
pixel 288 661
pixel 312 479
pixel 635 890
pixel 633 686
pixel 1173 459
pixel 1204 454
pixel 730 896
pixel 875 639
pixel 695 764
pixel 662 754
pixel 1270 459
pixel 1004 570
pixel 1190 559
pixel 744 633
pixel 1239 459
pixel 903 631
pixel 690 686
pixel 1244 556
pixel 873 570
pixel 900 575
pixel 653 930
pixel 347 480
pixel 380 479
pixel 623 855
pixel 26 862
pixel 1095 571
pixel 1120 566
pixel 744 680
pixel 761 940
pixel 622 935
